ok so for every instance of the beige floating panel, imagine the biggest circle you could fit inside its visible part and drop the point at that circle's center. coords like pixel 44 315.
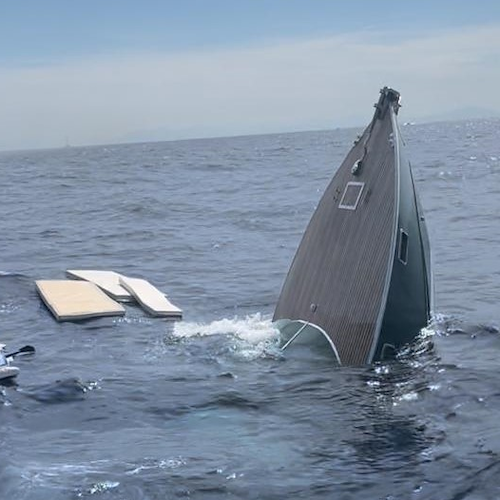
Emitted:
pixel 108 281
pixel 150 298
pixel 74 300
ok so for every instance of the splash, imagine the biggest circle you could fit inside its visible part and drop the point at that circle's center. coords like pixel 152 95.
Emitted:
pixel 250 338
pixel 253 329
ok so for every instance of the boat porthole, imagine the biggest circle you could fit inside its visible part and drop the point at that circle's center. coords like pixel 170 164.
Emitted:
pixel 403 247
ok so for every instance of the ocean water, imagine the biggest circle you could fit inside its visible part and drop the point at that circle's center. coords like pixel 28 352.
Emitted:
pixel 209 407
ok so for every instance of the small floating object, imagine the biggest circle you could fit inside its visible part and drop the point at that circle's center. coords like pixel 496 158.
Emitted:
pixel 150 298
pixel 108 281
pixel 75 300
pixel 27 349
pixel 7 371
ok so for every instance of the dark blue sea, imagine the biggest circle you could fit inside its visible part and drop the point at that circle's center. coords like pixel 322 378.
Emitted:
pixel 209 407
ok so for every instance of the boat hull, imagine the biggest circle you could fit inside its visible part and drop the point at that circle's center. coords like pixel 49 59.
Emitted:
pixel 361 275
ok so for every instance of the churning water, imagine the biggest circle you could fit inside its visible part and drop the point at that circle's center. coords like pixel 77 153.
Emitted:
pixel 210 408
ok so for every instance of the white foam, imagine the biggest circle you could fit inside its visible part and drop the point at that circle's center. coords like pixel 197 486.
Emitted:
pixel 408 396
pixel 171 463
pixel 252 337
pixel 103 486
pixel 253 329
pixel 36 474
pixel 9 307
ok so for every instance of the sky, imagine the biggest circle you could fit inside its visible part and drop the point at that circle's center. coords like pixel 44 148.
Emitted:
pixel 113 71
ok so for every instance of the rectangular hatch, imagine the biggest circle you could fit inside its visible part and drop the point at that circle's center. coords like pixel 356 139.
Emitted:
pixel 352 195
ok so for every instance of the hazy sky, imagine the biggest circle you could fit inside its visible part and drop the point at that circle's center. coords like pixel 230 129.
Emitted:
pixel 116 70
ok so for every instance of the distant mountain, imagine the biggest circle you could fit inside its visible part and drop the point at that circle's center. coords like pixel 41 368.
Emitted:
pixel 469 113
pixel 159 134
pixel 167 133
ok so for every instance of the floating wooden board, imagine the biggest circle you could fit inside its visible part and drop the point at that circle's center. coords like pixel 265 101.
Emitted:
pixel 108 281
pixel 74 300
pixel 150 298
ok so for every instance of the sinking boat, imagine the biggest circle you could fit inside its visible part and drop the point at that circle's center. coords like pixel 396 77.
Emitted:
pixel 361 281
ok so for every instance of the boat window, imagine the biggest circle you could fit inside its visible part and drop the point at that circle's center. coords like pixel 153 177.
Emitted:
pixel 388 352
pixel 352 195
pixel 403 246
